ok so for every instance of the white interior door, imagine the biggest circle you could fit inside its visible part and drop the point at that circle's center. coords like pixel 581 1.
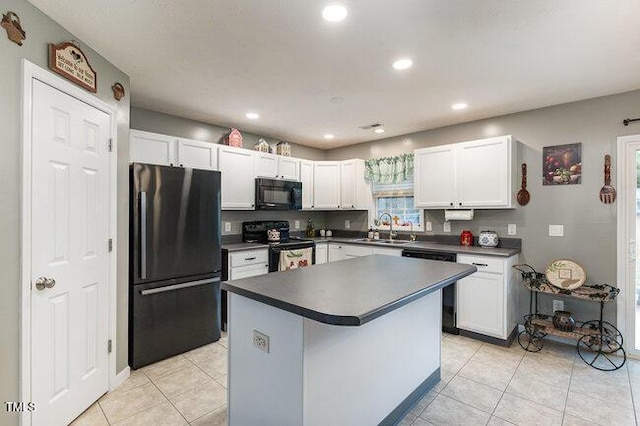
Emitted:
pixel 628 200
pixel 69 252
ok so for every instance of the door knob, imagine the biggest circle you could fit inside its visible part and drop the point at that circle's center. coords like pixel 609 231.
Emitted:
pixel 44 282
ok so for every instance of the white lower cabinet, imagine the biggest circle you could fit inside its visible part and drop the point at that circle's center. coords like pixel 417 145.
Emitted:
pixel 339 251
pixel 322 255
pixel 249 263
pixel 486 300
pixel 336 252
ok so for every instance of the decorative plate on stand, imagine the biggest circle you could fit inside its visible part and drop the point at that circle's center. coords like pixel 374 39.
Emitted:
pixel 565 274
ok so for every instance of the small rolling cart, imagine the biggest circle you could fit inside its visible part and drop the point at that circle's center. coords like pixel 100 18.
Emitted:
pixel 599 343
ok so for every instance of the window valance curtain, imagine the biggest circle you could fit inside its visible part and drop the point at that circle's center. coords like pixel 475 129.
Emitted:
pixel 388 170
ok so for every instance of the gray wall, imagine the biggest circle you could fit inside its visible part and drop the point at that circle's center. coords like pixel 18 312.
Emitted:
pixel 589 225
pixel 40 31
pixel 157 122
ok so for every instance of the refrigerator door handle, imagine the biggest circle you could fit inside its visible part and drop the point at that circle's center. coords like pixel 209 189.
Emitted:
pixel 179 286
pixel 143 235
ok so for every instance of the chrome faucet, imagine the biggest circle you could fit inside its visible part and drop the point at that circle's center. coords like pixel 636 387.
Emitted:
pixel 412 236
pixel 391 234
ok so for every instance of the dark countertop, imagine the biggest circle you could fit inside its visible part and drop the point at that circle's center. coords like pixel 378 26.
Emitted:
pixel 350 292
pixel 416 245
pixel 243 246
pixel 428 246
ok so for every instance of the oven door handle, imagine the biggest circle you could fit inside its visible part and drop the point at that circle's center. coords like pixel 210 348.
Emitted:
pixel 178 286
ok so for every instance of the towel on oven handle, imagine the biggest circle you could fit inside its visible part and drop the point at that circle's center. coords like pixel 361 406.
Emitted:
pixel 292 259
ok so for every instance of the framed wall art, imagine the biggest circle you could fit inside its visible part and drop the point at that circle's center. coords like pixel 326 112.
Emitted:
pixel 562 164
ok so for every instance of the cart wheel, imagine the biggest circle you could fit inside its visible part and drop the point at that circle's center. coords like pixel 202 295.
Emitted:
pixel 609 337
pixel 529 342
pixel 602 351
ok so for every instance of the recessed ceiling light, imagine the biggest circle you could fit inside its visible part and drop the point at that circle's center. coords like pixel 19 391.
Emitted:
pixel 460 105
pixel 402 64
pixel 334 13
pixel 379 130
pixel 252 115
pixel 328 136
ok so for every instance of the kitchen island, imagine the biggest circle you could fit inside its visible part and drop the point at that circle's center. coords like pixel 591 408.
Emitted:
pixel 343 343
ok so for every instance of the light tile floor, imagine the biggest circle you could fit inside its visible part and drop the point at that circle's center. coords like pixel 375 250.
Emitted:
pixel 481 384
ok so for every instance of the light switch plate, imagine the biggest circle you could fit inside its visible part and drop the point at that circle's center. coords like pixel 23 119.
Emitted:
pixel 227 227
pixel 296 224
pixel 347 224
pixel 556 230
pixel 511 229
pixel 447 227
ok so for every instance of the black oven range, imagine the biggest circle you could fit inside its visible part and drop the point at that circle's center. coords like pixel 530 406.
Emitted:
pixel 276 234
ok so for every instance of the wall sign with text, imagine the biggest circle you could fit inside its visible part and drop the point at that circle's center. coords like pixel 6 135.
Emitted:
pixel 69 61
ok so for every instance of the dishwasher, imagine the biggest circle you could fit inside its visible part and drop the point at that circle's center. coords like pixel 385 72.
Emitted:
pixel 448 292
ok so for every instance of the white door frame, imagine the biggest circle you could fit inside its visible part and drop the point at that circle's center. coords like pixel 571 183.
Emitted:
pixel 31 71
pixel 625 273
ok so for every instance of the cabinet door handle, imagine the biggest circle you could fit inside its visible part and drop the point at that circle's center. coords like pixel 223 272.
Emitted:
pixel 459 204
pixel 450 204
pixel 479 264
pixel 250 258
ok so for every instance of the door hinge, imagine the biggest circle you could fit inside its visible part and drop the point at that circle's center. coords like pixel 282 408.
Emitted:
pixel 109 346
pixel 110 244
pixel 110 145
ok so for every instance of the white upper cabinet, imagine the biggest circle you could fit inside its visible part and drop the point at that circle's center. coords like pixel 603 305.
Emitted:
pixel 326 185
pixel 152 148
pixel 434 177
pixel 485 173
pixel 474 174
pixel 277 166
pixel 197 154
pixel 238 178
pixel 306 177
pixel 354 190
pixel 266 165
pixel 288 168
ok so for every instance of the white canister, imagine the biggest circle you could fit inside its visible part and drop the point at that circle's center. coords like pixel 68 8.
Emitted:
pixel 329 233
pixel 488 239
pixel 322 232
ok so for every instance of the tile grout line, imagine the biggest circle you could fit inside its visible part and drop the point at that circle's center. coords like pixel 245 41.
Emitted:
pixel 505 389
pixel 167 398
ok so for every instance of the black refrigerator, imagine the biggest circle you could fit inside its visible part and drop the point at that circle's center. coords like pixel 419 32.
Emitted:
pixel 174 261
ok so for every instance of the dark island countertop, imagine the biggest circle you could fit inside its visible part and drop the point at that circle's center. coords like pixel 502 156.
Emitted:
pixel 350 292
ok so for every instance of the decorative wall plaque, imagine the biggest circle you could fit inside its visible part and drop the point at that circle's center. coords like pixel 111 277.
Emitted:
pixel 118 91
pixel 69 61
pixel 11 23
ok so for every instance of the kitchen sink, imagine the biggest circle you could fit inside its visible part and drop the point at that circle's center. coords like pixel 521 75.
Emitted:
pixel 392 242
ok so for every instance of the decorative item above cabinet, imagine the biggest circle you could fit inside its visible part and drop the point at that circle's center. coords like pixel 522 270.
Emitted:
pixel 473 174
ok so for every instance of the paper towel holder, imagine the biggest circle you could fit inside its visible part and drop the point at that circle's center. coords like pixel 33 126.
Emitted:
pixel 458 215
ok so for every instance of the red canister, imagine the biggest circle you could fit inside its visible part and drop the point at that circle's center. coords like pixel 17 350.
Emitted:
pixel 466 238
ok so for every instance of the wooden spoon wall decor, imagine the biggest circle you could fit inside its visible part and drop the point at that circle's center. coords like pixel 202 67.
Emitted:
pixel 607 192
pixel 523 194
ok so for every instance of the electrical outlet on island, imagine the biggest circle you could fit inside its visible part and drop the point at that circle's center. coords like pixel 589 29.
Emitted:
pixel 261 341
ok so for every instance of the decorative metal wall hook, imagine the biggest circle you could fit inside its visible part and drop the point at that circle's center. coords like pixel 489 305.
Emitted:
pixel 626 121
pixel 11 23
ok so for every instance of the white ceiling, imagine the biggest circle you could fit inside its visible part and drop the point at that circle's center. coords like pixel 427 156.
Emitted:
pixel 215 60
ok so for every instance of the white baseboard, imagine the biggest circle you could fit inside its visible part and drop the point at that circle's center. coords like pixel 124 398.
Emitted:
pixel 120 378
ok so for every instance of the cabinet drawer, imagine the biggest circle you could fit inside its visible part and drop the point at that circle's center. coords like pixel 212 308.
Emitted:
pixel 483 263
pixel 248 271
pixel 356 251
pixel 249 257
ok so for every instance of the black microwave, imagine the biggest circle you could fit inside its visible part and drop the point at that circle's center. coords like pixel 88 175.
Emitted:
pixel 274 194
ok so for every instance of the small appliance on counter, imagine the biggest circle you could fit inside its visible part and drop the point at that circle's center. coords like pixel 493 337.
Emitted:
pixel 466 238
pixel 488 239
